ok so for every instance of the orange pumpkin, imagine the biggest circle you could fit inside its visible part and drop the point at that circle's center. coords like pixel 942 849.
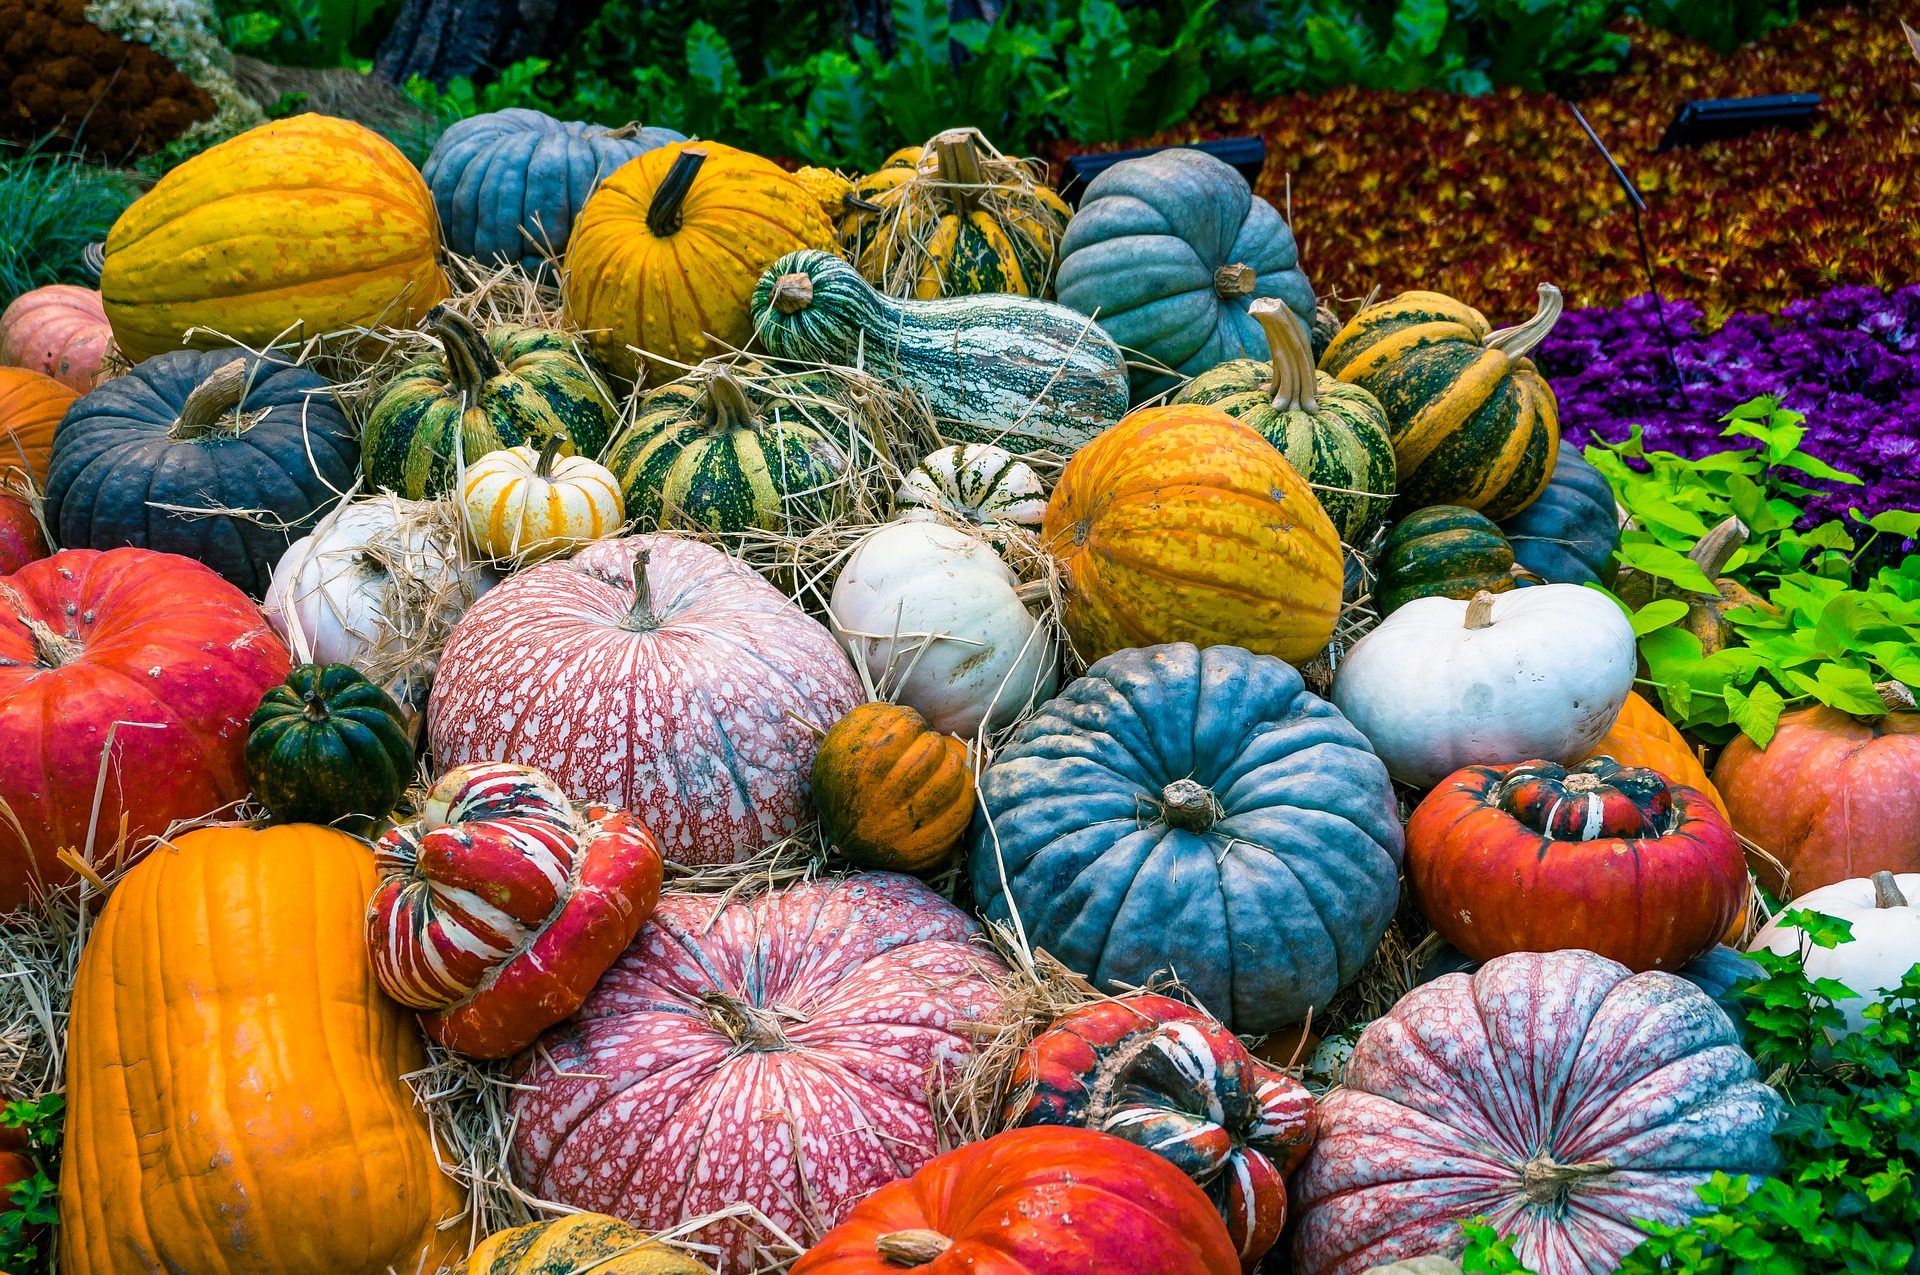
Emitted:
pixel 1180 524
pixel 234 1095
pixel 1642 737
pixel 31 405
pixel 21 538
pixel 892 793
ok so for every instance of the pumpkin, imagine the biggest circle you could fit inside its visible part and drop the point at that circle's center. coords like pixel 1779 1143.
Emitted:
pixel 1046 1201
pixel 1181 524
pixel 1610 858
pixel 300 227
pixel 60 330
pixel 486 391
pixel 1425 1264
pixel 652 674
pixel 937 620
pixel 31 406
pixel 1473 421
pixel 21 538
pixel 779 1050
pixel 1885 943
pixel 1832 796
pixel 508 184
pixel 1538 673
pixel 1642 737
pixel 523 505
pixel 1168 251
pixel 1568 534
pixel 1199 812
pixel 220 456
pixel 976 483
pixel 1718 973
pixel 328 746
pixel 234 1092
pixel 1332 433
pixel 578 1244
pixel 1017 372
pixel 665 254
pixel 1706 616
pixel 1557 1094
pixel 501 906
pixel 891 791
pixel 966 220
pixel 1443 551
pixel 126 681
pixel 1167 1077
pixel 829 187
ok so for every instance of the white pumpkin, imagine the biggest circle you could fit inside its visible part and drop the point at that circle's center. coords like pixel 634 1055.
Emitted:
pixel 378 585
pixel 523 505
pixel 1538 673
pixel 977 483
pixel 934 616
pixel 1884 911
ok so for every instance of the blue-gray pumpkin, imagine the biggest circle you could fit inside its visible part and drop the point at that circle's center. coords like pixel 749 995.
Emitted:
pixel 509 184
pixel 1167 251
pixel 1199 813
pixel 1569 534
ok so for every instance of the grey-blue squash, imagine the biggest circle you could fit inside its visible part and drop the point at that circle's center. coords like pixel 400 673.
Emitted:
pixel 1197 812
pixel 1167 251
pixel 1568 535
pixel 509 184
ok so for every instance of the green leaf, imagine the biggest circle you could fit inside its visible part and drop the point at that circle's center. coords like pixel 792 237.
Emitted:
pixel 1904 523
pixel 1756 714
pixel 1848 689
pixel 1818 468
pixel 1820 929
pixel 1667 564
pixel 1657 614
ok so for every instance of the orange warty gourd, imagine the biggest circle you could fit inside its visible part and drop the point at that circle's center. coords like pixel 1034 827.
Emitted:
pixel 31 405
pixel 1642 737
pixel 301 226
pixel 892 792
pixel 1180 524
pixel 234 1095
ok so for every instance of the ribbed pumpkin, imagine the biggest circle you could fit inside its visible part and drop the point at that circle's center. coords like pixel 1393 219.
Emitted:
pixel 234 1095
pixel 60 330
pixel 327 746
pixel 1474 423
pixel 1642 737
pixel 1443 551
pixel 1332 433
pixel 976 483
pixel 523 505
pixel 485 391
pixel 31 405
pixel 665 255
pixel 1569 534
pixel 1180 524
pixel 21 538
pixel 890 791
pixel 578 1244
pixel 299 227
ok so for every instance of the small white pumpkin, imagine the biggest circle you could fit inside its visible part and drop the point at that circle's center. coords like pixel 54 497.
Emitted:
pixel 522 505
pixel 1538 673
pixel 977 483
pixel 936 619
pixel 1884 911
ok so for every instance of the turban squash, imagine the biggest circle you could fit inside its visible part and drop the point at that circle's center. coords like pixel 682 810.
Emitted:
pixel 60 330
pixel 31 407
pixel 1642 737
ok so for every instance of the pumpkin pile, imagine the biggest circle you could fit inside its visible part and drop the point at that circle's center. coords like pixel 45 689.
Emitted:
pixel 622 711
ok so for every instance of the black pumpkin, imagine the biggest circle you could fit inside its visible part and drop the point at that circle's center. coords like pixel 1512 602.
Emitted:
pixel 328 746
pixel 1442 551
pixel 220 456
pixel 1569 534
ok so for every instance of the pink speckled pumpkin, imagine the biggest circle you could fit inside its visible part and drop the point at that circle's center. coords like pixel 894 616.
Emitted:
pixel 688 703
pixel 779 1050
pixel 60 330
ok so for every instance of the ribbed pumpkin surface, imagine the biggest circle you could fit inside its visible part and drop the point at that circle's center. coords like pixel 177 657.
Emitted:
pixel 234 1101
pixel 1443 551
pixel 60 330
pixel 578 1244
pixel 302 226
pixel 31 405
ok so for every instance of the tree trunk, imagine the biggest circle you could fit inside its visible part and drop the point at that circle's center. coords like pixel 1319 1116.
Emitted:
pixel 442 40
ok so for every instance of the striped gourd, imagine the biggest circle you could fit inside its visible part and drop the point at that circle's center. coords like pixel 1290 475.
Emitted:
pixel 1474 423
pixel 1028 375
pixel 522 506
pixel 975 482
pixel 1442 551
pixel 1333 433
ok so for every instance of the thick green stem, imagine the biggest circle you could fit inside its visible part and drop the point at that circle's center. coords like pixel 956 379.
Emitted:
pixel 548 451
pixel 1294 388
pixel 728 407
pixel 470 360
pixel 663 214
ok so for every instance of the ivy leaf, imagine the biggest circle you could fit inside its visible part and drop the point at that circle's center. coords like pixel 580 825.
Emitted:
pixel 1666 564
pixel 1657 614
pixel 1848 689
pixel 1904 523
pixel 1900 660
pixel 1756 714
pixel 1820 929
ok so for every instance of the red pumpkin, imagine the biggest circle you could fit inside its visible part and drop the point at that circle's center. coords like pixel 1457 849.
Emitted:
pixel 1832 796
pixel 139 666
pixel 1535 857
pixel 501 906
pixel 22 539
pixel 1168 1077
pixel 60 330
pixel 779 1050
pixel 31 406
pixel 1046 1201
pixel 689 703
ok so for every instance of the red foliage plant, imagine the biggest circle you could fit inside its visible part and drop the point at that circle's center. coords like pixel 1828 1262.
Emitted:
pixel 69 79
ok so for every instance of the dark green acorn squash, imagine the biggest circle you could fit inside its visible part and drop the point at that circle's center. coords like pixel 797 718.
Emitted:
pixel 1442 552
pixel 511 386
pixel 327 746
pixel 1196 812
pixel 1568 535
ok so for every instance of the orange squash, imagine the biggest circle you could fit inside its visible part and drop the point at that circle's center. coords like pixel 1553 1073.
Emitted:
pixel 1180 524
pixel 31 405
pixel 1642 737
pixel 892 793
pixel 234 1095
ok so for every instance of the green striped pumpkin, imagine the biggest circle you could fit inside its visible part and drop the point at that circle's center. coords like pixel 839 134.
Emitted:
pixel 511 386
pixel 327 746
pixel 1333 434
pixel 1474 423
pixel 1443 551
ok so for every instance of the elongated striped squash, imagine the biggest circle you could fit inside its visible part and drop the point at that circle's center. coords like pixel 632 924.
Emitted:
pixel 1027 375
pixel 1443 551
pixel 1473 421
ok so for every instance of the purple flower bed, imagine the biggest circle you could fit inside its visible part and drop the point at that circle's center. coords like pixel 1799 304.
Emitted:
pixel 1849 360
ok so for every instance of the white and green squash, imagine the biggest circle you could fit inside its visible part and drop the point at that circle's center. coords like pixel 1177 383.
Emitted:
pixel 975 483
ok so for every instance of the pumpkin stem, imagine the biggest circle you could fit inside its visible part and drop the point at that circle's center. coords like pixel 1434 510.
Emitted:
pixel 1294 388
pixel 959 166
pixel 548 451
pixel 1544 1180
pixel 728 407
pixel 663 214
pixel 50 649
pixel 1886 891
pixel 1187 805
pixel 211 399
pixel 793 293
pixel 470 360
pixel 1719 545
pixel 911 1248
pixel 1519 340
pixel 744 1023
pixel 316 709
pixel 1895 696
pixel 626 132
pixel 1231 282
pixel 640 617
pixel 1480 611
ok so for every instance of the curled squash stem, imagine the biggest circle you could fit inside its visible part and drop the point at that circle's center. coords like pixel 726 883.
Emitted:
pixel 549 450
pixel 728 407
pixel 470 360
pixel 1519 340
pixel 1294 388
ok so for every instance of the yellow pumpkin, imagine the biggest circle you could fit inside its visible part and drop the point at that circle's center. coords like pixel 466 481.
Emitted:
pixel 665 255
pixel 829 187
pixel 301 226
pixel 521 505
pixel 234 1095
pixel 578 1244
pixel 1180 524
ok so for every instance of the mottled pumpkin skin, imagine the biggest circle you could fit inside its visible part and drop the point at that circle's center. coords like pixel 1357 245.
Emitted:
pixel 327 745
pixel 891 793
pixel 59 330
pixel 31 406
pixel 299 227
pixel 1443 551
pixel 234 1095
pixel 1568 535
pixel 21 538
pixel 578 1244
